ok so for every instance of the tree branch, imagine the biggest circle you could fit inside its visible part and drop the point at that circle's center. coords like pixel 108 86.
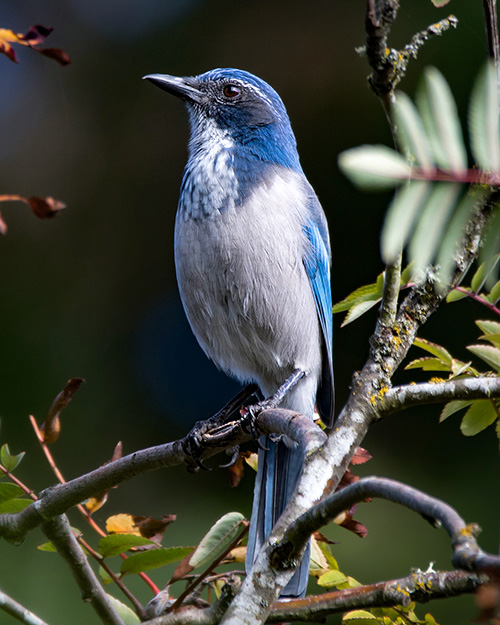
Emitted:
pixel 467 553
pixel 420 586
pixel 18 611
pixel 402 397
pixel 58 499
pixel 59 532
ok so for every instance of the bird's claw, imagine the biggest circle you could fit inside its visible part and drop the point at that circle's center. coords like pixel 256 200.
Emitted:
pixel 235 452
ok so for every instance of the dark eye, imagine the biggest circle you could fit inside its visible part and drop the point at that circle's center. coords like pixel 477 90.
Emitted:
pixel 231 91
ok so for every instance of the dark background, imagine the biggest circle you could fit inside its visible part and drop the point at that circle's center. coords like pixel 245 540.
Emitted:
pixel 92 293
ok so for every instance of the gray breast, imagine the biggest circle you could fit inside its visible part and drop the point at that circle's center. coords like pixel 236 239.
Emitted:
pixel 244 286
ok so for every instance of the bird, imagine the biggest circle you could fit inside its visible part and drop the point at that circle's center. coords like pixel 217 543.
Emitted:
pixel 252 257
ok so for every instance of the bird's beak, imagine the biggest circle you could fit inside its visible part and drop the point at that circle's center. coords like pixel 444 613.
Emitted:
pixel 182 87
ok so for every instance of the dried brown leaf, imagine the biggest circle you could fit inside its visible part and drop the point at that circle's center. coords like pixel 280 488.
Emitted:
pixel 45 207
pixel 51 427
pixel 35 36
pixel 153 528
pixel 182 569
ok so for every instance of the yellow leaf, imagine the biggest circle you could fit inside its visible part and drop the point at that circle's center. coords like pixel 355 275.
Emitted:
pixel 122 524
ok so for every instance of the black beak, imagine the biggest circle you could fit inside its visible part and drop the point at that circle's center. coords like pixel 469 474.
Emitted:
pixel 185 88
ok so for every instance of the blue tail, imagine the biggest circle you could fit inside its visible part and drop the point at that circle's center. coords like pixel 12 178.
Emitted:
pixel 278 470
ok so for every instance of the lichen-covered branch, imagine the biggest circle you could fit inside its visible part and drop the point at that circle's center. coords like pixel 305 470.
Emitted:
pixel 401 397
pixel 420 586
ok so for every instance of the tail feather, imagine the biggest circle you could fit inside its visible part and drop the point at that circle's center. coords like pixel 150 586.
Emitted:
pixel 278 470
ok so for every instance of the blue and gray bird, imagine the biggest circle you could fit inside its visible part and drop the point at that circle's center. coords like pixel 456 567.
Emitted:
pixel 252 258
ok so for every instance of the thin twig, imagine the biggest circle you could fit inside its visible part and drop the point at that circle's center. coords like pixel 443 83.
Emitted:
pixel 207 571
pixel 88 517
pixel 18 611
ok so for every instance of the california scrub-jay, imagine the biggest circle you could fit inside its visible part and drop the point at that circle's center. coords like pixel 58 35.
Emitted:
pixel 252 257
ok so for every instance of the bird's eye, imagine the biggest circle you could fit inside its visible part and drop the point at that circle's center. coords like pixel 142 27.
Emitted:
pixel 231 91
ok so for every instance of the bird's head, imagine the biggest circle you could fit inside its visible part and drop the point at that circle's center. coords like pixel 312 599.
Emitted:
pixel 238 107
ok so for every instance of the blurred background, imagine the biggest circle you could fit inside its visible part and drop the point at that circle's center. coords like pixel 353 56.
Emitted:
pixel 92 293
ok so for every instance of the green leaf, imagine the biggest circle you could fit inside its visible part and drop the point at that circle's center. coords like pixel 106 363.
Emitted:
pixel 491 244
pixel 494 339
pixel 454 406
pixel 434 349
pixel 10 491
pixel 455 296
pixel 480 415
pixel 487 326
pixel 423 246
pixel 490 355
pixel 318 562
pixel 49 547
pixel 362 294
pixel 445 128
pixel 400 217
pixel 479 278
pixel 105 576
pixel 483 120
pixel 359 617
pixel 374 167
pixel 118 543
pixel 124 612
pixel 12 506
pixel 430 620
pixel 428 364
pixel 8 460
pixel 146 560
pixel 494 294
pixel 455 231
pixel 411 133
pixel 331 578
pixel 357 310
pixel 217 539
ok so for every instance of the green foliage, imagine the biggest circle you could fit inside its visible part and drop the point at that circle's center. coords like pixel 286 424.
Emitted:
pixel 217 539
pixel 124 612
pixel 430 208
pixel 146 560
pixel 115 544
pixel 361 300
pixel 480 413
pixel 10 461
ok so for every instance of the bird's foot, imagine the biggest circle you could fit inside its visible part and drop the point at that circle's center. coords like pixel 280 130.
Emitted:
pixel 249 419
pixel 210 433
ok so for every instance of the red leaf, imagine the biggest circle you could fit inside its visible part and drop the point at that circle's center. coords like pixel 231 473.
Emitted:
pixel 8 50
pixel 56 54
pixel 360 456
pixel 45 207
pixel 35 35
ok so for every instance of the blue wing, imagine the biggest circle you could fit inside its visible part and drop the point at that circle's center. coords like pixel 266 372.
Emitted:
pixel 317 265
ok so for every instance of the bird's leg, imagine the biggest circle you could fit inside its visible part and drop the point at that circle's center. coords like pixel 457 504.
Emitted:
pixel 273 401
pixel 206 432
